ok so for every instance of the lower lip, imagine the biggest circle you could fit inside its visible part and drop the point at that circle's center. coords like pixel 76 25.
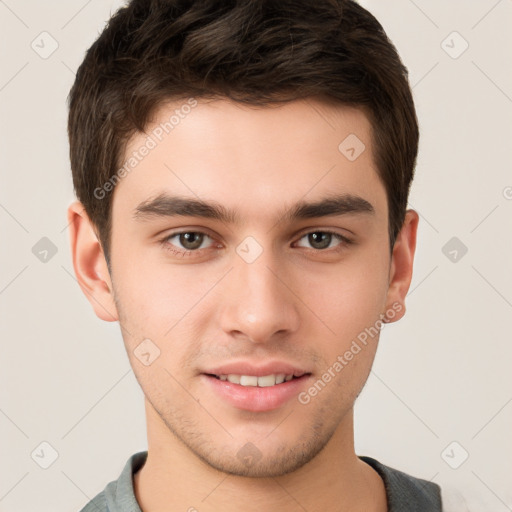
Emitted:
pixel 255 398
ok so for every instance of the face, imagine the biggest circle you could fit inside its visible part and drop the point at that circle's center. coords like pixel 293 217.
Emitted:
pixel 250 257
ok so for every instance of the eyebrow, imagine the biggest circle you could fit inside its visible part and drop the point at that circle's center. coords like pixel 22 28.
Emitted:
pixel 165 205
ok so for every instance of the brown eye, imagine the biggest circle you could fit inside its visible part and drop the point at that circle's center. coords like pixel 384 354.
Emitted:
pixel 321 240
pixel 187 241
pixel 191 240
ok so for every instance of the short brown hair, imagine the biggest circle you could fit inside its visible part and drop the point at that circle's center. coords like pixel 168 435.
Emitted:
pixel 252 51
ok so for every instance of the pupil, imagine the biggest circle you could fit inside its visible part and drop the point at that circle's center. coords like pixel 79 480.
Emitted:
pixel 320 240
pixel 191 240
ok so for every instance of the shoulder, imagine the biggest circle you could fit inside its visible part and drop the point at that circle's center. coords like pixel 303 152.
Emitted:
pixel 118 495
pixel 97 504
pixel 406 493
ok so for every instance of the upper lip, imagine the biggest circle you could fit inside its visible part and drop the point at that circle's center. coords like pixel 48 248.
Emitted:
pixel 258 370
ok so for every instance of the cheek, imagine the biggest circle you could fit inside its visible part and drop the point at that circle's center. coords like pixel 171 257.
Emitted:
pixel 155 294
pixel 346 300
pixel 169 306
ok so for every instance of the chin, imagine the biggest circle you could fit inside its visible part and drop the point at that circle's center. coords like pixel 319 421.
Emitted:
pixel 269 462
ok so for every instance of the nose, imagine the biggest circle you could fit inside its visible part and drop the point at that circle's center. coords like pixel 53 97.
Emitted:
pixel 258 304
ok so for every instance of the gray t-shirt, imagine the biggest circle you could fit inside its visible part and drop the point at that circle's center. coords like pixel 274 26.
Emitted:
pixel 405 493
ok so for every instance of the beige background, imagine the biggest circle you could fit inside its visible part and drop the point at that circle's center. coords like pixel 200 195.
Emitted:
pixel 441 375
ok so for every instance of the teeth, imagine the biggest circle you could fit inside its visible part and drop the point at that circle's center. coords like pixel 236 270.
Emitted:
pixel 252 380
pixel 247 380
pixel 267 380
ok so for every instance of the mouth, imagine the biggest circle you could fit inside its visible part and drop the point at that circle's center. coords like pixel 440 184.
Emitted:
pixel 263 381
pixel 249 388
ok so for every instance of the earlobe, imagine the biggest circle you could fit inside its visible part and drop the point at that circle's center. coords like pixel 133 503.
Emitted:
pixel 89 263
pixel 401 268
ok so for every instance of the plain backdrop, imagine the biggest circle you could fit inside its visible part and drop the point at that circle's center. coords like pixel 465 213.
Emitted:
pixel 437 404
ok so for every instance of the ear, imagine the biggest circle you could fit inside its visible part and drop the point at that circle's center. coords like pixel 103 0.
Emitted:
pixel 400 273
pixel 89 262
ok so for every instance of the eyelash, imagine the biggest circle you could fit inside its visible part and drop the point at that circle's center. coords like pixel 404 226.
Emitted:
pixel 344 241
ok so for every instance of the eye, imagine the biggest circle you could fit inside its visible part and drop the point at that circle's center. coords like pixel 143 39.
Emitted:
pixel 323 240
pixel 188 240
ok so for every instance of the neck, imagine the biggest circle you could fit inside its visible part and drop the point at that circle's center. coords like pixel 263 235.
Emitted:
pixel 174 478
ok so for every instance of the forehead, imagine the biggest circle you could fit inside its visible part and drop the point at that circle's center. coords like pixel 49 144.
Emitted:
pixel 251 158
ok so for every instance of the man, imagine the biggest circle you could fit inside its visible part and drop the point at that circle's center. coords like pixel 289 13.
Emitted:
pixel 242 170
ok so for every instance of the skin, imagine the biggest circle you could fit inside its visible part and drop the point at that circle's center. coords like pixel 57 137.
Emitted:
pixel 296 303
